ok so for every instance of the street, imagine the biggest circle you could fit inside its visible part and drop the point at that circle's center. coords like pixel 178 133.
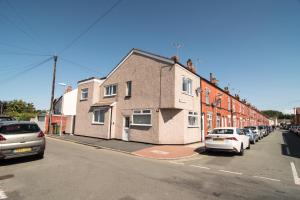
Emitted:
pixel 74 171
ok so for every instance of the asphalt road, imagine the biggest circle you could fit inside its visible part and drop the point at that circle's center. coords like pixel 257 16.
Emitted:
pixel 73 171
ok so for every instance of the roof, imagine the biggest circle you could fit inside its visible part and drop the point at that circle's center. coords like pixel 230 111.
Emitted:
pixel 91 78
pixel 102 104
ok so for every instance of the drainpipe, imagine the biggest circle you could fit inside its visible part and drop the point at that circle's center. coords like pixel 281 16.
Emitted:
pixel 231 111
pixel 110 123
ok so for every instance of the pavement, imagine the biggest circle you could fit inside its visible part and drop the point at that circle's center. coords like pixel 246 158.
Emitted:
pixel 136 148
pixel 72 171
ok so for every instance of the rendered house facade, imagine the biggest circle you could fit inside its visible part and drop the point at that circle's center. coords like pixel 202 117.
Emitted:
pixel 146 98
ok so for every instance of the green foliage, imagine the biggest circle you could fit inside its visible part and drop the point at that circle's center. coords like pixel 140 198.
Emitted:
pixel 19 109
pixel 277 114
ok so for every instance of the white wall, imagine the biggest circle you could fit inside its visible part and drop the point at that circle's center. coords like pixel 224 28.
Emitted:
pixel 69 103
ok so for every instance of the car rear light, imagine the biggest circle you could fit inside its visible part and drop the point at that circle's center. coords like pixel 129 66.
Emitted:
pixel 2 138
pixel 231 138
pixel 41 134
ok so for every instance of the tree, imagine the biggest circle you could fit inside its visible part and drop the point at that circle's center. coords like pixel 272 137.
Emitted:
pixel 19 109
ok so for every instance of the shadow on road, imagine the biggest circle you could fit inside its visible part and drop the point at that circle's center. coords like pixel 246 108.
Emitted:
pixel 292 143
pixel 15 161
pixel 202 151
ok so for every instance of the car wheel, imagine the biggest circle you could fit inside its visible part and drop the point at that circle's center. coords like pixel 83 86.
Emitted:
pixel 248 145
pixel 241 153
pixel 254 141
pixel 40 155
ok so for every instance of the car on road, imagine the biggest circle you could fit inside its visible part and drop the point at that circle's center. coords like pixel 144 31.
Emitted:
pixel 256 130
pixel 253 136
pixel 18 139
pixel 229 139
pixel 263 130
pixel 4 118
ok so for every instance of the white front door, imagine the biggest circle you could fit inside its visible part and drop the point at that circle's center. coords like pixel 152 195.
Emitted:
pixel 126 125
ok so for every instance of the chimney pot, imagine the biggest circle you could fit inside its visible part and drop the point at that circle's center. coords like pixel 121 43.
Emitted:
pixel 175 58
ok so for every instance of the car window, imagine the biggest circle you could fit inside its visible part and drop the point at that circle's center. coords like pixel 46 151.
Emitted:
pixel 19 128
pixel 246 130
pixel 222 131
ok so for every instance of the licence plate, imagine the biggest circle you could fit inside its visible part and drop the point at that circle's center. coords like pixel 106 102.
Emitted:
pixel 218 139
pixel 23 150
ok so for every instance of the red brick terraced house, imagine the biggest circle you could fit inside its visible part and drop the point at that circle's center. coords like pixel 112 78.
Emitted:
pixel 221 109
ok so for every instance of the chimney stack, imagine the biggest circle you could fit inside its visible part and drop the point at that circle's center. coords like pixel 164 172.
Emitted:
pixel 69 89
pixel 190 66
pixel 175 58
pixel 213 79
pixel 226 89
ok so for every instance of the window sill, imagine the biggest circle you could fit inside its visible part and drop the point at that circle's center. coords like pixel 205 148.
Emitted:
pixel 83 99
pixel 110 95
pixel 193 126
pixel 148 125
pixel 97 123
pixel 187 94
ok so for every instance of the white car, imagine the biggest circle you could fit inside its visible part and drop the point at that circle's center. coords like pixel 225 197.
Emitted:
pixel 227 139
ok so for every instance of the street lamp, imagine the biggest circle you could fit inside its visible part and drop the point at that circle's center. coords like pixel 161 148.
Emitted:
pixel 61 107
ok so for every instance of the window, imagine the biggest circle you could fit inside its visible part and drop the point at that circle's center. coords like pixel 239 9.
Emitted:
pixel 98 116
pixel 233 106
pixel 110 90
pixel 193 119
pixel 141 118
pixel 187 85
pixel 84 94
pixel 218 120
pixel 128 88
pixel 207 92
pixel 229 103
pixel 209 121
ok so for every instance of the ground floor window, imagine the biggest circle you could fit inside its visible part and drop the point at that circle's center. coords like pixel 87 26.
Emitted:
pixel 218 120
pixel 98 116
pixel 193 119
pixel 141 117
pixel 209 121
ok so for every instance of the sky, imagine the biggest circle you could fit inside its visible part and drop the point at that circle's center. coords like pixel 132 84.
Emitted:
pixel 251 46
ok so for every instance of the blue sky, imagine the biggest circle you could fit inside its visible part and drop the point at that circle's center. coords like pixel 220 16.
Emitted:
pixel 254 46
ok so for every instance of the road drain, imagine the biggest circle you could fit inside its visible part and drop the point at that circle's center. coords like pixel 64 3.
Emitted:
pixel 6 176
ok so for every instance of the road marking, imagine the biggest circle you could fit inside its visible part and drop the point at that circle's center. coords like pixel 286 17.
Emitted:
pixel 2 194
pixel 271 179
pixel 200 167
pixel 238 173
pixel 295 174
pixel 288 150
pixel 177 163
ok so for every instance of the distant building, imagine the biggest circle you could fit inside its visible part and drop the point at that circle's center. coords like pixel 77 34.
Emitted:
pixel 297 115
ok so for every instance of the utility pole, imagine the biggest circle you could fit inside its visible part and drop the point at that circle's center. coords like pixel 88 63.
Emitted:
pixel 52 95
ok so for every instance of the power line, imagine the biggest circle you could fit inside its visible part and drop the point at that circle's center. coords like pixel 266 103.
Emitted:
pixel 90 26
pixel 24 71
pixel 22 19
pixel 79 65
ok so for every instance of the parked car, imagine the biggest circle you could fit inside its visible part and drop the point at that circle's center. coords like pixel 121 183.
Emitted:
pixel 227 139
pixel 253 136
pixel 18 139
pixel 263 130
pixel 6 118
pixel 256 130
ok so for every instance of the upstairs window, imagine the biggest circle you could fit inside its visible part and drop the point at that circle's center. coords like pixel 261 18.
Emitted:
pixel 128 88
pixel 141 118
pixel 84 94
pixel 193 119
pixel 110 90
pixel 229 103
pixel 187 85
pixel 207 92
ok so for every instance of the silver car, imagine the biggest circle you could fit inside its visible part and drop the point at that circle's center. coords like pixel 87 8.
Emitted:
pixel 18 139
pixel 255 129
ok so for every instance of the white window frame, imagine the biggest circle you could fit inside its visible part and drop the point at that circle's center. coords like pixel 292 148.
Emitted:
pixel 110 90
pixel 218 121
pixel 207 97
pixel 209 121
pixel 196 116
pixel 84 90
pixel 141 112
pixel 188 87
pixel 96 122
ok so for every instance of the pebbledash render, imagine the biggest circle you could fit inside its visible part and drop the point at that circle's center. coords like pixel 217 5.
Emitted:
pixel 145 98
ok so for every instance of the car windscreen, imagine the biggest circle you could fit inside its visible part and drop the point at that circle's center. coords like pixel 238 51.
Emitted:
pixel 222 131
pixel 251 127
pixel 261 127
pixel 19 128
pixel 246 130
